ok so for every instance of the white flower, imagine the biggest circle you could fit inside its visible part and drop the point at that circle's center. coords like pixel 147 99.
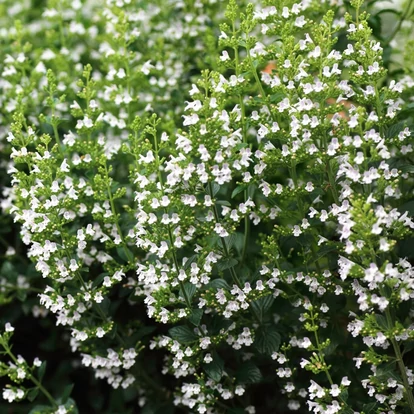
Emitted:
pixel 205 342
pixel 8 327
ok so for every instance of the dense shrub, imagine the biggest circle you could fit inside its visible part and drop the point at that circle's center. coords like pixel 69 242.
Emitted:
pixel 209 205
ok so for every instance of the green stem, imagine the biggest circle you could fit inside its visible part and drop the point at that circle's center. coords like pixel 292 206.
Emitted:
pixel 400 362
pixel 332 183
pixel 223 242
pixel 244 135
pixel 399 24
pixel 32 378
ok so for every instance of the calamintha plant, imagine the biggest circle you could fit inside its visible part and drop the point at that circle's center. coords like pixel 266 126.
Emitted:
pixel 217 200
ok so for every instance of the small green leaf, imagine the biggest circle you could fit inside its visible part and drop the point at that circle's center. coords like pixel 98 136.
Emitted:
pixel 408 168
pixel 239 189
pixel 267 340
pixel 370 408
pixel 395 129
pixel 235 241
pixel 99 279
pixel 189 290
pixel 262 305
pixel 226 263
pixel 70 405
pixel 218 284
pixel 183 334
pixel 32 394
pixel 248 373
pixel 214 369
pixel 382 322
pixel 223 203
pixel 66 393
pixel 41 371
pixel 195 316
pixel 190 260
pixel 124 253
pixel 216 189
pixel 41 409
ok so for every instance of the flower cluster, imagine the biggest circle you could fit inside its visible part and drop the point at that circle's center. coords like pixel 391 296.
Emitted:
pixel 229 189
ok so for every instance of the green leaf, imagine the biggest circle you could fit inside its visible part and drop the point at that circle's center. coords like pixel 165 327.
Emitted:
pixel 195 316
pixel 262 305
pixel 189 290
pixel 226 263
pixel 66 393
pixel 248 373
pixel 408 346
pixel 235 241
pixel 41 409
pixel 216 188
pixel 251 190
pixel 395 129
pixel 214 369
pixel 382 322
pixel 218 284
pixel 408 168
pixel 239 189
pixel 41 371
pixel 190 260
pixel 267 340
pixel 322 251
pixel 32 394
pixel 124 253
pixel 99 279
pixel 8 270
pixel 183 334
pixel 369 408
pixel 223 203
pixel 70 405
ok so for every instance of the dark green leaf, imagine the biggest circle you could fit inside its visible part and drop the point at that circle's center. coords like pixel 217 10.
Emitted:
pixel 66 393
pixel 70 405
pixel 190 260
pixel 395 129
pixel 239 189
pixel 32 394
pixel 124 253
pixel 267 340
pixel 183 334
pixel 41 371
pixel 251 190
pixel 369 408
pixel 226 263
pixel 189 290
pixel 223 203
pixel 408 168
pixel 99 279
pixel 218 284
pixel 216 188
pixel 322 251
pixel 145 330
pixel 262 305
pixel 408 346
pixel 214 369
pixel 382 322
pixel 195 316
pixel 248 373
pixel 235 241
pixel 41 409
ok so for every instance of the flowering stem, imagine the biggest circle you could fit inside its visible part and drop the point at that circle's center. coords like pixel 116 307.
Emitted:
pixel 400 362
pixel 32 378
pixel 244 135
pixel 332 182
pixel 223 242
